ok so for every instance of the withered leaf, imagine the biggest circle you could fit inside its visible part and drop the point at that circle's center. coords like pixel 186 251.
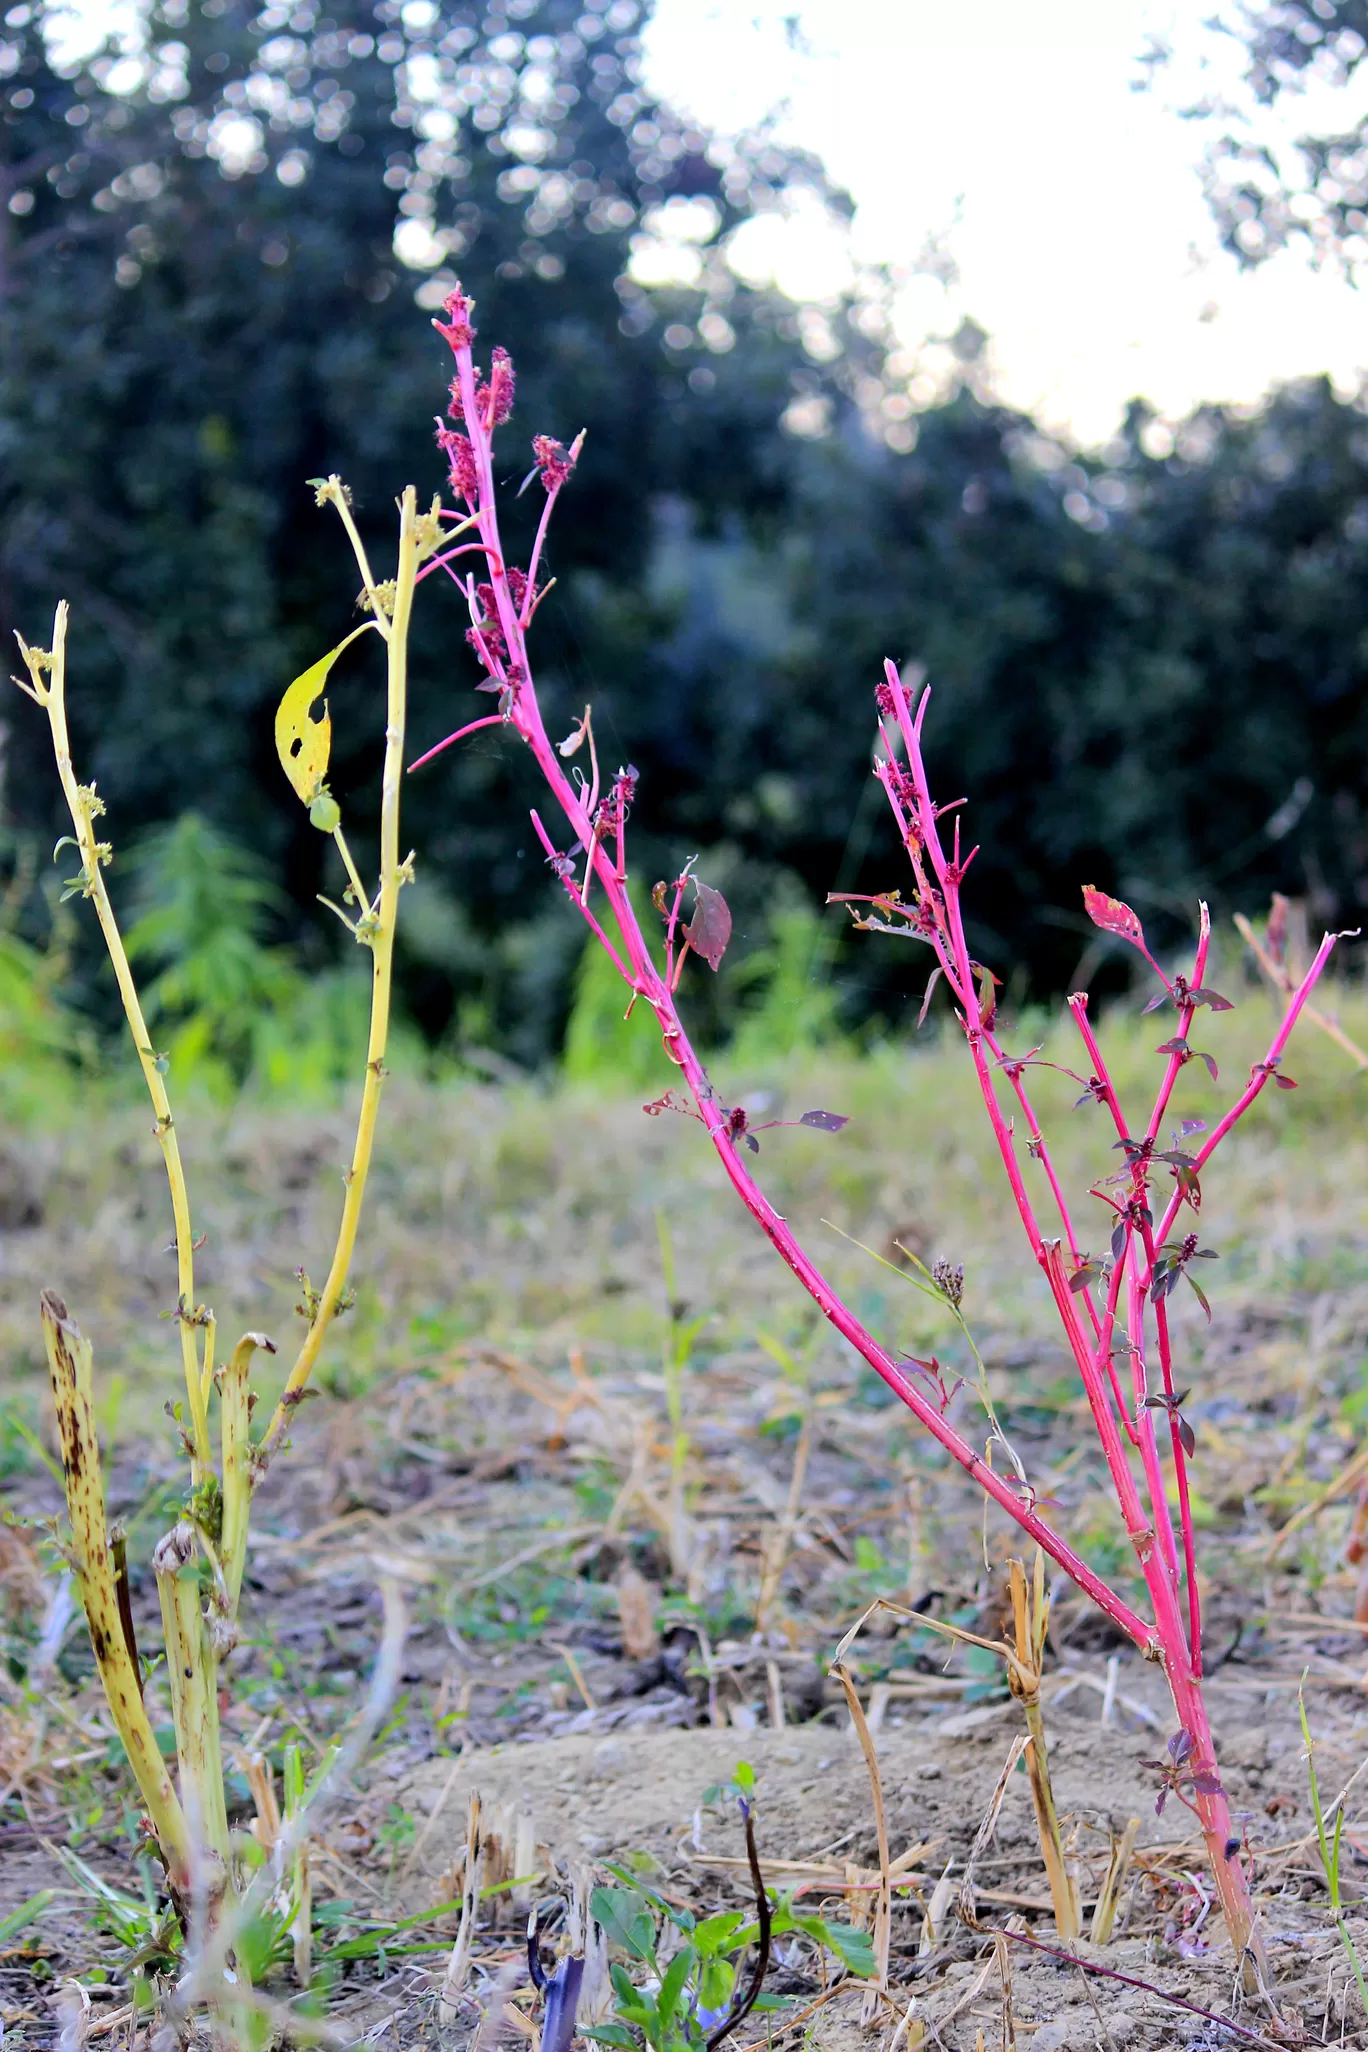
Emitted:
pixel 709 931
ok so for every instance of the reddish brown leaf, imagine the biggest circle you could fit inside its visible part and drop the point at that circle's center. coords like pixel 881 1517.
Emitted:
pixel 710 928
pixel 1112 916
pixel 672 1101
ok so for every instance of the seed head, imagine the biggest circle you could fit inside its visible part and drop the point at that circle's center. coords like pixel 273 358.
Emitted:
pixel 949 1281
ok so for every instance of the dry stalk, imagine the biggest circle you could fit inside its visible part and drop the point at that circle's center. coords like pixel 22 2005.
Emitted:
pixel 70 1365
pixel 883 1919
pixel 458 1965
pixel 1108 1895
pixel 1024 1664
pixel 1030 1619
pixel 1279 975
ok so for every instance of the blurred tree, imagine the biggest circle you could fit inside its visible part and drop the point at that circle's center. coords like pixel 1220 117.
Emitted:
pixel 213 236
pixel 1149 664
pixel 1265 190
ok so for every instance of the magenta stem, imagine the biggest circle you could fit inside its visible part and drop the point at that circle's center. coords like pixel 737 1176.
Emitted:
pixel 642 976
pixel 493 720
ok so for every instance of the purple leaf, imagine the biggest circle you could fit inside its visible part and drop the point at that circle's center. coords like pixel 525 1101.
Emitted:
pixel 1156 1002
pixel 1210 1061
pixel 1191 1126
pixel 1187 1438
pixel 1181 1746
pixel 1207 1784
pixel 1172 1047
pixel 709 931
pixel 1212 998
pixel 824 1121
pixel 1284 1082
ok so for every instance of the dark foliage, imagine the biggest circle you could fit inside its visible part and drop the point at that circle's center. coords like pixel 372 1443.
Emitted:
pixel 1149 671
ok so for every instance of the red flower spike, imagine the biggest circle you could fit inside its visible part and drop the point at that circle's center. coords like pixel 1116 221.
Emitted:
pixel 456 328
pixel 554 461
pixel 501 388
pixel 461 458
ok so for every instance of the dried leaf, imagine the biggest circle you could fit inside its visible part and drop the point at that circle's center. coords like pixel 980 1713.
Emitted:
pixel 1275 934
pixel 1112 916
pixel 709 931
pixel 824 1121
pixel 931 981
pixel 304 744
pixel 672 1101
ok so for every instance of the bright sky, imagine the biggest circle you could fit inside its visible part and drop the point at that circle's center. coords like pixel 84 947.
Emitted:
pixel 1070 203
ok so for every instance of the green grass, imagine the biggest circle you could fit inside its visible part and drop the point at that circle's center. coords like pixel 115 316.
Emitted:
pixel 513 1213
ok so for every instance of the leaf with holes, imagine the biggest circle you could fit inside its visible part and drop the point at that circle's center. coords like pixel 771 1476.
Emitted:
pixel 303 743
pixel 672 1101
pixel 709 931
pixel 1212 998
pixel 1112 916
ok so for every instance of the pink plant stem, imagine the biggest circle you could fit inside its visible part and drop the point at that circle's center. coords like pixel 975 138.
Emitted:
pixel 493 720
pixel 1154 1543
pixel 1165 1640
pixel 442 562
pixel 1260 1076
pixel 953 954
pixel 1143 1435
pixel 525 717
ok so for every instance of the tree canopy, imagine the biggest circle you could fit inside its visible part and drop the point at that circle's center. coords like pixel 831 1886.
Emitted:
pixel 221 247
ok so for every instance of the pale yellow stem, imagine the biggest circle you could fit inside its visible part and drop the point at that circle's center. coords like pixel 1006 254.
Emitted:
pixel 234 1416
pixel 381 940
pixel 84 808
pixel 192 1676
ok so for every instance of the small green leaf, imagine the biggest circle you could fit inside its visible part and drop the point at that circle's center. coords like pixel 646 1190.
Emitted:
pixel 26 1914
pixel 625 1919
pixel 713 1932
pixel 672 1986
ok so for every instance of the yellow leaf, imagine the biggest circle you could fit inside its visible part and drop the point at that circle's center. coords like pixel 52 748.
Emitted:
pixel 302 743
